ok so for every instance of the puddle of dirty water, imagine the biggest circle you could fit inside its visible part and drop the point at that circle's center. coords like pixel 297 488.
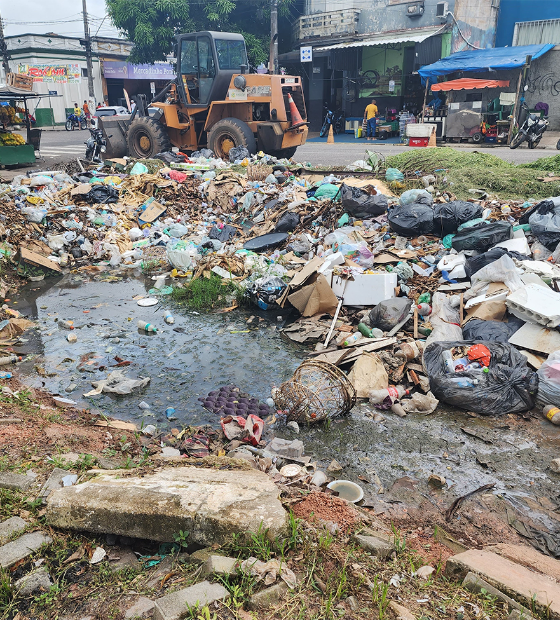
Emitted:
pixel 213 350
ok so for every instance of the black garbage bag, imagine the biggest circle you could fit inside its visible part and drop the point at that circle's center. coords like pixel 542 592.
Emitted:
pixel 170 158
pixel 222 234
pixel 102 194
pixel 476 263
pixel 450 215
pixel 358 203
pixel 287 223
pixel 493 331
pixel 411 220
pixel 265 291
pixel 482 236
pixel 509 386
pixel 389 313
pixel 238 152
pixel 544 220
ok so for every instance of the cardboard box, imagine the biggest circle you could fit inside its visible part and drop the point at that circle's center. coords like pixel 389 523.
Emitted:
pixel 18 80
pixel 366 289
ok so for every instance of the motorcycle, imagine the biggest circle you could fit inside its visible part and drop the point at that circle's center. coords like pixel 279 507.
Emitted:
pixel 74 121
pixel 531 128
pixel 95 145
pixel 334 119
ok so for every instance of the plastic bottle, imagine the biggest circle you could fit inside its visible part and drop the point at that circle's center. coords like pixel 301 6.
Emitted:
pixel 448 363
pixel 552 414
pixel 424 309
pixel 352 339
pixel 147 327
pixel 168 317
pixel 464 382
pixel 65 324
pixel 10 359
pixel 160 281
pixel 396 393
pixel 365 330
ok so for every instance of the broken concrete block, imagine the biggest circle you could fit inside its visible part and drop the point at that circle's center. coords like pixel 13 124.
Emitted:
pixel 400 612
pixel 284 447
pixel 474 583
pixel 268 597
pixel 210 504
pixel 11 526
pixel 127 559
pixel 529 557
pixel 22 548
pixel 38 580
pixel 517 582
pixel 519 615
pixel 201 556
pixel 54 482
pixel 555 466
pixel 219 565
pixel 175 606
pixel 377 547
pixel 15 482
pixel 142 609
pixel 335 467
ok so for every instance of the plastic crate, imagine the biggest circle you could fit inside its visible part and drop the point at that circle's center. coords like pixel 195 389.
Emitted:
pixel 418 141
pixel 491 139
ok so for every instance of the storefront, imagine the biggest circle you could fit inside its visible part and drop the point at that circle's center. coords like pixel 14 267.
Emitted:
pixel 135 79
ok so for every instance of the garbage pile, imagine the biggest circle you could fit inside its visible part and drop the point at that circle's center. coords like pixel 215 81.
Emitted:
pixel 414 299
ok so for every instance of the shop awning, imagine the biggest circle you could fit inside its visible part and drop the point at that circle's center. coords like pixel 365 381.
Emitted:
pixel 484 60
pixel 470 84
pixel 405 36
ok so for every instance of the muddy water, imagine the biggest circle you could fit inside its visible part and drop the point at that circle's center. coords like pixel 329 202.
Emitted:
pixel 217 349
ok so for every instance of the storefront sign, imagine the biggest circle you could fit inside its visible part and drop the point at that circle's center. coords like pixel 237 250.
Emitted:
pixel 306 54
pixel 52 74
pixel 126 71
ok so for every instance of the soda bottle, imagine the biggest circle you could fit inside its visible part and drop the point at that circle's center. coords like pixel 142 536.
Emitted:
pixel 365 330
pixel 168 317
pixel 147 327
pixel 395 393
pixel 352 339
pixel 10 359
pixel 424 309
pixel 552 414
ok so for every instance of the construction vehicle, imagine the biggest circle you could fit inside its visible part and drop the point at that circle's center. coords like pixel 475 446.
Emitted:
pixel 213 103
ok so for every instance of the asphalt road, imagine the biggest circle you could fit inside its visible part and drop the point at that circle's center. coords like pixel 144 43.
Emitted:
pixel 64 145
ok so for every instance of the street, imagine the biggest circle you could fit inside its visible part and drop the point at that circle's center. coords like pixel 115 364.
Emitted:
pixel 64 145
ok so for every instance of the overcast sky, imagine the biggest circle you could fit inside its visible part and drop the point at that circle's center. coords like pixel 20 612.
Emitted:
pixel 38 16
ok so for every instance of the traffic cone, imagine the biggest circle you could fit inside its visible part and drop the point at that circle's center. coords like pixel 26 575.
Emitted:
pixel 294 112
pixel 330 139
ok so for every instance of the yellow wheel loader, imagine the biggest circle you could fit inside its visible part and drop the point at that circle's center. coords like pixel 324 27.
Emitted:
pixel 213 103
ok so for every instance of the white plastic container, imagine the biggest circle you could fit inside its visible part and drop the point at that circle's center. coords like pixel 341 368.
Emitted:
pixel 419 130
pixel 366 289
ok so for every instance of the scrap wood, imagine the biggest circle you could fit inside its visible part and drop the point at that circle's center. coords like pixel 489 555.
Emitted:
pixel 455 505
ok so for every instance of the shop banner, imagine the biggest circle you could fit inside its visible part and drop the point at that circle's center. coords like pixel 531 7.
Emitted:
pixel 52 74
pixel 124 70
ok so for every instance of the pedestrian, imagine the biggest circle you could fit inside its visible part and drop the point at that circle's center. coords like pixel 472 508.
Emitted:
pixel 87 113
pixel 77 111
pixel 370 114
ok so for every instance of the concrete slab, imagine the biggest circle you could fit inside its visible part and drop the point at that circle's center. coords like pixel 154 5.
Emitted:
pixel 210 504
pixel 175 606
pixel 54 481
pixel 37 581
pixel 143 608
pixel 15 482
pixel 474 583
pixel 11 526
pixel 268 597
pixel 22 548
pixel 219 565
pixel 376 546
pixel 528 588
pixel 528 557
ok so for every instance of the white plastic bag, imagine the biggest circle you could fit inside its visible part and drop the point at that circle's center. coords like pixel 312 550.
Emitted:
pixel 549 381
pixel 55 242
pixel 34 215
pixel 446 324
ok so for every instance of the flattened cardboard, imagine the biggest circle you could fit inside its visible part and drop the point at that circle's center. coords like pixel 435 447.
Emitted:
pixel 300 278
pixel 487 311
pixel 151 213
pixel 367 374
pixel 315 298
pixel 36 260
pixel 81 190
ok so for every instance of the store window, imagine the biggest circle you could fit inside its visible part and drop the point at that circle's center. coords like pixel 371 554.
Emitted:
pixel 84 73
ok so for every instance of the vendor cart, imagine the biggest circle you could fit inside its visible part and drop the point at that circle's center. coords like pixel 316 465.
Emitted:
pixel 485 118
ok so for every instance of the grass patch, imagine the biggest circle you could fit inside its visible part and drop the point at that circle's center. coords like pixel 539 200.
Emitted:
pixel 458 171
pixel 206 294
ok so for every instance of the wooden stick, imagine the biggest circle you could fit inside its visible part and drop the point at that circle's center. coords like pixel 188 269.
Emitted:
pixel 461 310
pixel 425 97
pixel 416 323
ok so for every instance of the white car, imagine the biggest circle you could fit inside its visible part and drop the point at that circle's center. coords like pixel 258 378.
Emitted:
pixel 110 110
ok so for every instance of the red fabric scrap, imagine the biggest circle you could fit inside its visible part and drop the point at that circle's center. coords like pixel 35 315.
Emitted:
pixel 175 175
pixel 479 353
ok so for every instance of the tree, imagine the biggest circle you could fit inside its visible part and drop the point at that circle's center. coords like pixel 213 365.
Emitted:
pixel 151 26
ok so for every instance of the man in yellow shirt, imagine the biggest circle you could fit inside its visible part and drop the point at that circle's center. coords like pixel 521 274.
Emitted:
pixel 369 116
pixel 77 110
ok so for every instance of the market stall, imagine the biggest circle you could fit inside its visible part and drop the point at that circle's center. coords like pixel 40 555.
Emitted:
pixel 14 148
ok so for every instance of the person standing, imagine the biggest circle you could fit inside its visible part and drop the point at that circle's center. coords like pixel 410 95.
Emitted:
pixel 87 113
pixel 77 110
pixel 370 115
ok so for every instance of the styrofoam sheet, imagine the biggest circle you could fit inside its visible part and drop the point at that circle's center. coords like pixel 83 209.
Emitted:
pixel 535 303
pixel 367 289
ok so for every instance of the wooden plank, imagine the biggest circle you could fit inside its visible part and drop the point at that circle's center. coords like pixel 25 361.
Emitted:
pixel 368 348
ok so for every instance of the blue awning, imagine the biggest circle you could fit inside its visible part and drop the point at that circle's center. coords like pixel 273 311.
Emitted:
pixel 483 60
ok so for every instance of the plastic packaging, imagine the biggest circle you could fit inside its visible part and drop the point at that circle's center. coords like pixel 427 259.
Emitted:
pixel 168 317
pixel 552 414
pixel 385 398
pixel 390 313
pixel 287 223
pixel 411 220
pixel 509 386
pixel 393 174
pixel 416 196
pixel 444 319
pixel 147 327
pixel 482 237
pixel 549 380
pixel 424 309
pixel 10 359
pixel 544 219
pixel 448 216
pixel 351 340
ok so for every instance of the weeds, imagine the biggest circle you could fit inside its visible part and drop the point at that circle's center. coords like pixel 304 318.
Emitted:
pixel 379 595
pixel 181 538
pixel 398 542
pixel 207 293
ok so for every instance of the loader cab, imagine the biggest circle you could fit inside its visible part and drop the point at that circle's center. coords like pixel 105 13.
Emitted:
pixel 206 61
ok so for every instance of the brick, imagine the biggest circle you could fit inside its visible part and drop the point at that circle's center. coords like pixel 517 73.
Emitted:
pixel 37 581
pixel 22 548
pixel 15 482
pixel 175 606
pixel 519 583
pixel 268 597
pixel 143 608
pixel 376 546
pixel 11 526
pixel 219 565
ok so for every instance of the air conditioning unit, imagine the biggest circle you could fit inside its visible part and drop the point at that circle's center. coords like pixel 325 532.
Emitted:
pixel 415 9
pixel 442 9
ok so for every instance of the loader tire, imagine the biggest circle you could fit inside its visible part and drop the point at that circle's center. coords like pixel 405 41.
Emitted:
pixel 146 137
pixel 228 133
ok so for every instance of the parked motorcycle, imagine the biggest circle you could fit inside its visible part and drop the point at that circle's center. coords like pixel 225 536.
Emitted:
pixel 531 128
pixel 334 119
pixel 74 121
pixel 95 145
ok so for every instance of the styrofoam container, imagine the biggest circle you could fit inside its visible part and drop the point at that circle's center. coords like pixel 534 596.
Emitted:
pixel 515 245
pixel 419 130
pixel 536 304
pixel 366 289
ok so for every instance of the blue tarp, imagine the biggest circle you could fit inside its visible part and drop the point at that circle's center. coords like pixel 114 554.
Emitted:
pixel 482 60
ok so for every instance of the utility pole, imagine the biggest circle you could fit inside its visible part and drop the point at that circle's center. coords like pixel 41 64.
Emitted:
pixel 4 50
pixel 273 62
pixel 88 52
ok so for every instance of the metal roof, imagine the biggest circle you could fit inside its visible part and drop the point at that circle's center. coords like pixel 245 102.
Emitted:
pixel 417 36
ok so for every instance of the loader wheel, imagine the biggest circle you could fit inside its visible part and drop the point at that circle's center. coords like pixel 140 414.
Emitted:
pixel 229 133
pixel 146 137
pixel 287 153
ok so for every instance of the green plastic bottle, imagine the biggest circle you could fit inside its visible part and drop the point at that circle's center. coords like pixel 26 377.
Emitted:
pixel 365 330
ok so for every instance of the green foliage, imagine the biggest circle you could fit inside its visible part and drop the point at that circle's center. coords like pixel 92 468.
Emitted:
pixel 205 293
pixel 549 164
pixel 182 538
